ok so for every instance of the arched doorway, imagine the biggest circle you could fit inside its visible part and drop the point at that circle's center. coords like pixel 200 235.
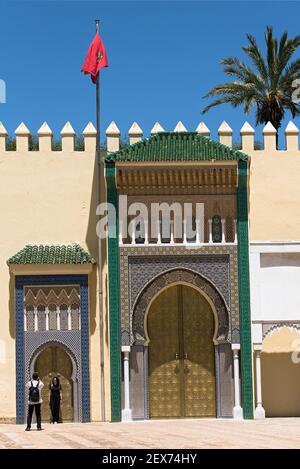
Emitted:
pixel 281 373
pixel 181 328
pixel 55 361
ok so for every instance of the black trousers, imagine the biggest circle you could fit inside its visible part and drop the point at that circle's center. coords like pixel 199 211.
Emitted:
pixel 31 408
pixel 54 406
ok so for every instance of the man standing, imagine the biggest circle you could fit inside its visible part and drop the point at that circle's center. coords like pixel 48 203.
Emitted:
pixel 35 387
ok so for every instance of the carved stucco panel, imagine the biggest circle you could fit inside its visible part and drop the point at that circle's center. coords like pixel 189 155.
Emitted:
pixel 172 277
pixel 139 266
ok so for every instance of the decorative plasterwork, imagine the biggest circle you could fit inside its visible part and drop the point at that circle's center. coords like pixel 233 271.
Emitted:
pixel 191 178
pixel 179 275
pixel 28 342
pixel 274 327
pixel 44 298
pixel 216 264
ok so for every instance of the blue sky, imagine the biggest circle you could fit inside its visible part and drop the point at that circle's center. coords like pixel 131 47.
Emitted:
pixel 163 56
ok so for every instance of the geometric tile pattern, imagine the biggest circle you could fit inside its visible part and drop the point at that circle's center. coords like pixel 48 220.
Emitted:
pixel 267 328
pixel 76 341
pixel 139 265
pixel 114 299
pixel 35 342
pixel 142 270
pixel 244 289
pixel 172 277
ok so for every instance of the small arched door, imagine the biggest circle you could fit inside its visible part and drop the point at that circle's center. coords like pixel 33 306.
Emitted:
pixel 54 361
pixel 181 355
pixel 281 373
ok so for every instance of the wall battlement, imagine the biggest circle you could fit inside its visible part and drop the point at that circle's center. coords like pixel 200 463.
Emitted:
pixel 46 198
pixel 247 134
pixel 45 134
pixel 135 134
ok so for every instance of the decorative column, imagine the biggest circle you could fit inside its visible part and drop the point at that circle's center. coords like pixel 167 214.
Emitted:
pixel 198 241
pixel 184 232
pixel 133 232
pixel 114 294
pixel 58 318
pixel 158 232
pixel 223 230
pixel 79 319
pixel 126 412
pixel 35 316
pixel 171 231
pixel 237 410
pixel 235 231
pixel 259 412
pixel 210 239
pixel 25 320
pixel 69 319
pixel 120 233
pixel 146 232
pixel 47 318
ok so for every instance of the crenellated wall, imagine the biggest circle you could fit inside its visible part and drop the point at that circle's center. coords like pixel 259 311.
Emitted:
pixel 274 175
pixel 46 197
pixel 50 197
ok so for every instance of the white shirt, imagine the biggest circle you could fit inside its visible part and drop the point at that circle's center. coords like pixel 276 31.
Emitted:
pixel 35 383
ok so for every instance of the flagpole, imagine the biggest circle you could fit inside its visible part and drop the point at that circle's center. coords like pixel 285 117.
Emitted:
pixel 100 171
pixel 98 102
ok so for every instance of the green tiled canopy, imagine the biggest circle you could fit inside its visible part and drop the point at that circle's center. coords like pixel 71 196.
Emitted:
pixel 47 254
pixel 176 146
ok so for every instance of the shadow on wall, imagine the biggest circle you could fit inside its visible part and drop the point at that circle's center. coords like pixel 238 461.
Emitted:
pixel 280 385
pixel 92 244
pixel 91 241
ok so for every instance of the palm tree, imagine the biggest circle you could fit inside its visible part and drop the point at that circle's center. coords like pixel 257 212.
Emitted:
pixel 267 84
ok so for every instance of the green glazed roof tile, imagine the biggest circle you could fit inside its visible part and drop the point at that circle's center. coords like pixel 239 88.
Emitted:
pixel 176 146
pixel 49 254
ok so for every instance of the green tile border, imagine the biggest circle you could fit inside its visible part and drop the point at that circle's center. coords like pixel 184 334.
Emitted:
pixel 114 297
pixel 244 295
pixel 244 290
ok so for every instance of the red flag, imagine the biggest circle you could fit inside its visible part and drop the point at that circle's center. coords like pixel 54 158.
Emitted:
pixel 96 58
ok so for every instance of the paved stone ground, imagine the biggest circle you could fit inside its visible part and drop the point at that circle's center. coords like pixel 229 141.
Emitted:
pixel 163 434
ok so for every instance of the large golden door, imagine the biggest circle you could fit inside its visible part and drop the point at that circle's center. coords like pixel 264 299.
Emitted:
pixel 54 361
pixel 181 355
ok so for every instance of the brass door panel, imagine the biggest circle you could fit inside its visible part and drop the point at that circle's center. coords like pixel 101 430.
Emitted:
pixel 54 361
pixel 199 361
pixel 181 355
pixel 164 366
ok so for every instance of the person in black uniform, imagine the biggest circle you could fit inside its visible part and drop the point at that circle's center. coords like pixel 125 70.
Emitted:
pixel 55 399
